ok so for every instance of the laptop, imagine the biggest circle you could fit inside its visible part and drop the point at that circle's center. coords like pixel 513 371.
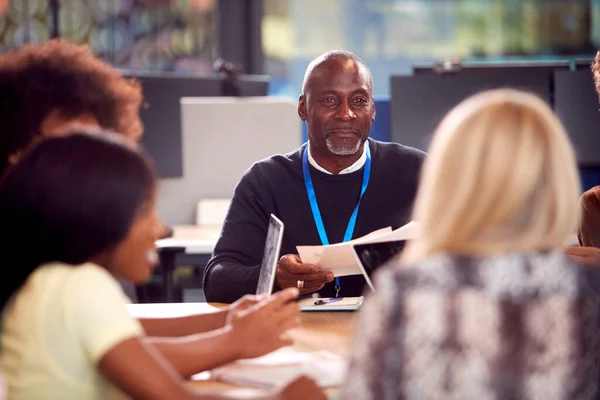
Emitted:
pixel 268 267
pixel 371 256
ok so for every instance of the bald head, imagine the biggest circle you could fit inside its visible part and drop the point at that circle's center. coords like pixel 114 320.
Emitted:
pixel 337 105
pixel 334 59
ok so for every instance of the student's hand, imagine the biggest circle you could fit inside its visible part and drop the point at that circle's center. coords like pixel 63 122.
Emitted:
pixel 240 305
pixel 586 255
pixel 306 277
pixel 259 329
pixel 301 389
pixel 244 303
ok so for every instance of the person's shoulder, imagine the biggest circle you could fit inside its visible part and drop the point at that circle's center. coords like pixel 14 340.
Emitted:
pixel 91 270
pixel 278 160
pixel 592 193
pixel 431 272
pixel 67 272
pixel 395 154
pixel 89 278
pixel 595 190
pixel 513 275
pixel 398 281
pixel 591 198
pixel 275 165
pixel 396 150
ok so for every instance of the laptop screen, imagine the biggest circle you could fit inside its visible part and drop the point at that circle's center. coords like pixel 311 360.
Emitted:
pixel 266 280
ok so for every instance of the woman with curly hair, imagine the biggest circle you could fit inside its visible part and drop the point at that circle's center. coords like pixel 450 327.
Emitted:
pixel 47 88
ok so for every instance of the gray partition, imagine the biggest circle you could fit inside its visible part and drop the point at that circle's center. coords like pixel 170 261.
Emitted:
pixel 576 104
pixel 161 116
pixel 419 102
pixel 222 138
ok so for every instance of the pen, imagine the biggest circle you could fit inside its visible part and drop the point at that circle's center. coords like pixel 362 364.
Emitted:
pixel 322 302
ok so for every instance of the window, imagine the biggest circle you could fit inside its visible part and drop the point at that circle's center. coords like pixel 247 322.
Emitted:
pixel 392 34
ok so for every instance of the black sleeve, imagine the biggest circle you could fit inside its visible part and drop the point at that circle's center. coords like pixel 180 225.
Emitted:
pixel 235 266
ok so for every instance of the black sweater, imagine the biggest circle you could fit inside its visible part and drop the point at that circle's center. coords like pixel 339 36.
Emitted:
pixel 276 186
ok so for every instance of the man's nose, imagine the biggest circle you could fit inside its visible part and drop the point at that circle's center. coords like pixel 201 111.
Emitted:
pixel 345 112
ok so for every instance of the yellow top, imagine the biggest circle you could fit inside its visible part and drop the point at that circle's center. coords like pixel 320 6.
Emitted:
pixel 56 329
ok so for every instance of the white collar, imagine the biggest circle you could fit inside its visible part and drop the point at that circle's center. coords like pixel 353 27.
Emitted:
pixel 353 168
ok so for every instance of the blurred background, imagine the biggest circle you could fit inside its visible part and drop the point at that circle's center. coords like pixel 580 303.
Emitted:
pixel 279 37
pixel 172 47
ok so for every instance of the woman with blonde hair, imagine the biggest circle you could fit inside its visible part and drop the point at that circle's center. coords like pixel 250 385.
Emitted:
pixel 485 305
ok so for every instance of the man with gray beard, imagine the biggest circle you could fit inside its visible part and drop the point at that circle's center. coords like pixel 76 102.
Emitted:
pixel 338 186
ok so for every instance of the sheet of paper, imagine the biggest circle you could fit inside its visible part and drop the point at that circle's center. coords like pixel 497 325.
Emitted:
pixel 339 258
pixel 312 254
pixel 405 232
pixel 284 365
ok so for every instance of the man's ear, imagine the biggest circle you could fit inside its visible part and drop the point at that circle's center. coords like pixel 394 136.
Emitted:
pixel 302 107
pixel 374 112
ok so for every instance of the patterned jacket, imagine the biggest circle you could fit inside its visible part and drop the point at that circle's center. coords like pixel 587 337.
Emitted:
pixel 519 326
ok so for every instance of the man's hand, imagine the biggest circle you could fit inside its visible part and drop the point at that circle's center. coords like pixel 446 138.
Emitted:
pixel 290 270
pixel 585 255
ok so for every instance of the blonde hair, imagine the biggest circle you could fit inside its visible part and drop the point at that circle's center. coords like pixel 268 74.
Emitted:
pixel 500 177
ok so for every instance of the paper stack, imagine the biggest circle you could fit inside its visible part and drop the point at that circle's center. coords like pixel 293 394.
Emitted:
pixel 282 366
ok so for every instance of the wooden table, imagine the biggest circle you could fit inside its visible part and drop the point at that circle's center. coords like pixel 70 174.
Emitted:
pixel 330 331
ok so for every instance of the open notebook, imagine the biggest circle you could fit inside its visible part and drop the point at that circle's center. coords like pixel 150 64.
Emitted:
pixel 282 366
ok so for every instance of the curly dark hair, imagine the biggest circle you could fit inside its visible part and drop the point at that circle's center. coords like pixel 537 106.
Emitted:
pixel 36 80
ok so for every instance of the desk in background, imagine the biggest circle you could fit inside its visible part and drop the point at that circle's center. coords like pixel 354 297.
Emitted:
pixel 331 331
pixel 189 245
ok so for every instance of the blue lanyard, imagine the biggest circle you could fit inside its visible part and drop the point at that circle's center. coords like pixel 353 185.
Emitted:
pixel 314 206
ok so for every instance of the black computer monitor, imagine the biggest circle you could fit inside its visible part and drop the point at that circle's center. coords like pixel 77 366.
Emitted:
pixel 576 104
pixel 419 102
pixel 583 63
pixel 162 116
pixel 486 68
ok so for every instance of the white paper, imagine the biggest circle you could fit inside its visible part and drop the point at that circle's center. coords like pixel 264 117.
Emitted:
pixel 312 254
pixel 339 258
pixel 283 366
pixel 406 232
